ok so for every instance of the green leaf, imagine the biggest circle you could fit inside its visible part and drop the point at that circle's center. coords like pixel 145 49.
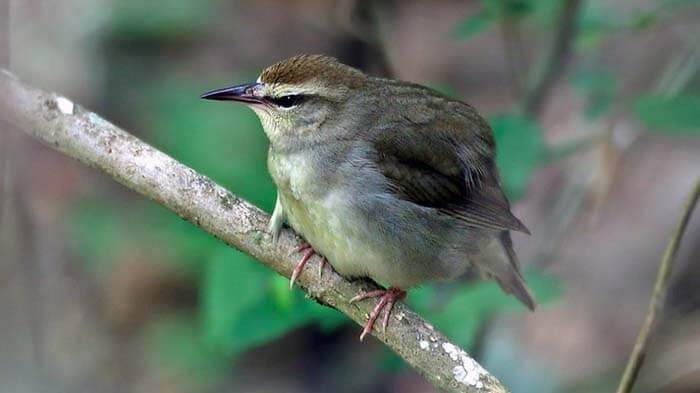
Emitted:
pixel 232 285
pixel 245 305
pixel 672 115
pixel 519 150
pixel 474 24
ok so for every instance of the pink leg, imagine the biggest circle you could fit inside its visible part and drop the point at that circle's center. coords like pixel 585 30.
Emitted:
pixel 308 253
pixel 388 298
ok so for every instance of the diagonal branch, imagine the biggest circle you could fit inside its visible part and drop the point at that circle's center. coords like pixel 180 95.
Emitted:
pixel 84 135
pixel 663 278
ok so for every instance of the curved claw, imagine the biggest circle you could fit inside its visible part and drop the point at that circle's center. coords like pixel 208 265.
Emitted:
pixel 300 266
pixel 300 248
pixel 373 317
pixel 368 295
pixel 386 303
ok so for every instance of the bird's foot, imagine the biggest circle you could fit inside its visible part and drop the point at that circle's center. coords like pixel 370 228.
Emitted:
pixel 308 252
pixel 388 298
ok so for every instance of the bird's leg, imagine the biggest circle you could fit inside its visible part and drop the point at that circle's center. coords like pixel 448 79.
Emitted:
pixel 388 298
pixel 308 253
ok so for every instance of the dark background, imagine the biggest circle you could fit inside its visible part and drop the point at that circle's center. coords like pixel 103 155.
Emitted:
pixel 596 110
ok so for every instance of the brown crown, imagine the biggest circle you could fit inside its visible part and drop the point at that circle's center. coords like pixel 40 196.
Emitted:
pixel 299 69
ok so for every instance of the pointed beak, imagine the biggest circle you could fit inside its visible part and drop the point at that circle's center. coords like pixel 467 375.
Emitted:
pixel 247 93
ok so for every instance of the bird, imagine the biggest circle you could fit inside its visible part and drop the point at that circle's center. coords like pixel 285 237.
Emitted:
pixel 385 179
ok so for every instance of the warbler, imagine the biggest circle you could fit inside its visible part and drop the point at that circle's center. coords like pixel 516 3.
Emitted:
pixel 388 180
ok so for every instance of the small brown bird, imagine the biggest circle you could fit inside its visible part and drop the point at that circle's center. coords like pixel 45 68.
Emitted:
pixel 389 180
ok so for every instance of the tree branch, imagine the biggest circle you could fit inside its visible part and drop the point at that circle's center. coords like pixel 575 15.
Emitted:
pixel 660 288
pixel 84 135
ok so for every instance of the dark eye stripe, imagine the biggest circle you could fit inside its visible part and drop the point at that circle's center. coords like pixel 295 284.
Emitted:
pixel 287 101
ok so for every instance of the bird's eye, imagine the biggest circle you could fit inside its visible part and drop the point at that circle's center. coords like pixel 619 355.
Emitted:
pixel 287 101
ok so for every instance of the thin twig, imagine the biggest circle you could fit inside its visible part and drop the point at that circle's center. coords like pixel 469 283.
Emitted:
pixel 84 135
pixel 663 276
pixel 369 26
pixel 548 71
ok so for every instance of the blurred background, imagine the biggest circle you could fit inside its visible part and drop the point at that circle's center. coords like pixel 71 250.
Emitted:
pixel 595 107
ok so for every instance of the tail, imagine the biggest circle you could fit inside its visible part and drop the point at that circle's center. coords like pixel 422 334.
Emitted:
pixel 498 260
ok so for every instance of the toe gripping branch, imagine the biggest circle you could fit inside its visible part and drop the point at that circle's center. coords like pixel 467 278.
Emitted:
pixel 388 298
pixel 308 253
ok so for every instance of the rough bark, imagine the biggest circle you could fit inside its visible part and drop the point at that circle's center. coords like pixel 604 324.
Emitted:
pixel 85 136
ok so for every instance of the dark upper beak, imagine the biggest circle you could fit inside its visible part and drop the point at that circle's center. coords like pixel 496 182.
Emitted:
pixel 247 92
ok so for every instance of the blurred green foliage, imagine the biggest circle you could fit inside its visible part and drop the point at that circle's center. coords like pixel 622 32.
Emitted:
pixel 489 13
pixel 520 148
pixel 596 23
pixel 461 312
pixel 600 19
pixel 598 88
pixel 176 345
pixel 244 304
pixel 146 21
pixel 674 115
pixel 96 232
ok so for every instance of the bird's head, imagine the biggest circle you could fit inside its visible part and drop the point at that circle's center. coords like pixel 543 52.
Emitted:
pixel 294 97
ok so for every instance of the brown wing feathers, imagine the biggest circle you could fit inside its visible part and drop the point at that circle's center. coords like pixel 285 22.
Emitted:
pixel 470 195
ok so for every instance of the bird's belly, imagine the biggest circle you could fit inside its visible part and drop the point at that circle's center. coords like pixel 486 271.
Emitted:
pixel 360 235
pixel 333 229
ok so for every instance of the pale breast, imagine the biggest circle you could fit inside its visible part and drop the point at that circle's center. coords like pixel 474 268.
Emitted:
pixel 293 174
pixel 300 195
pixel 323 216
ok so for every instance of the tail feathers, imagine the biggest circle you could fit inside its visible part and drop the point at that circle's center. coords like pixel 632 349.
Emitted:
pixel 515 286
pixel 501 263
